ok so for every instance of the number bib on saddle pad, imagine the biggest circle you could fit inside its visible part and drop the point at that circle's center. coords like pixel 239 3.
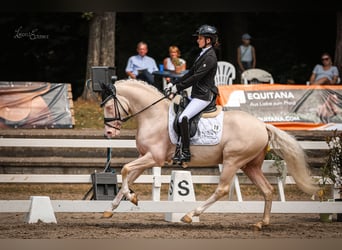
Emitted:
pixel 209 130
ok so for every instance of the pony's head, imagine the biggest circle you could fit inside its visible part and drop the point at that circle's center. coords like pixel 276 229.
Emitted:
pixel 126 99
pixel 113 107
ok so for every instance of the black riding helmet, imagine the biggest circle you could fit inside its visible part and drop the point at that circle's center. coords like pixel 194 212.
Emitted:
pixel 207 31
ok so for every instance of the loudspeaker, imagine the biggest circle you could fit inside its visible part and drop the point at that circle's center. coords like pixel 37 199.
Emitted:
pixel 104 186
pixel 102 74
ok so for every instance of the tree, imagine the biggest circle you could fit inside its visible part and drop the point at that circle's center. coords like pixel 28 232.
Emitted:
pixel 101 45
pixel 338 49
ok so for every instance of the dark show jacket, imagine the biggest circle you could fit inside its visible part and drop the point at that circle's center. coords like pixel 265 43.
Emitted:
pixel 201 77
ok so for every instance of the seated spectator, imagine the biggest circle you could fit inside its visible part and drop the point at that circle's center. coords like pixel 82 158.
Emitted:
pixel 141 66
pixel 324 73
pixel 174 62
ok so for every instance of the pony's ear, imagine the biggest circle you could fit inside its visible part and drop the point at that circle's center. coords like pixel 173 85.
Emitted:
pixel 108 90
pixel 102 85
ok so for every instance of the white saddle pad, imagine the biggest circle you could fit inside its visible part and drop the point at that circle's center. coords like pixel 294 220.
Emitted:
pixel 209 131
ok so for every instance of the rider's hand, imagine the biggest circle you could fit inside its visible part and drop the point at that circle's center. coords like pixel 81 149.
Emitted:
pixel 170 91
pixel 169 85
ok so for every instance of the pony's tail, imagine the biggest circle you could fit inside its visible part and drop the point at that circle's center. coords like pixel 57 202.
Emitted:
pixel 287 147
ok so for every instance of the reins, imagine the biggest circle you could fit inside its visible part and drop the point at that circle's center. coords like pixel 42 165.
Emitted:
pixel 116 104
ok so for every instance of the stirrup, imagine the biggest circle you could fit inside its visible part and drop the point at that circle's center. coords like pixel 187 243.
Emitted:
pixel 181 157
pixel 177 156
pixel 185 156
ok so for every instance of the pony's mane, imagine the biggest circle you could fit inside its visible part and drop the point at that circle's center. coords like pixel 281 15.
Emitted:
pixel 139 83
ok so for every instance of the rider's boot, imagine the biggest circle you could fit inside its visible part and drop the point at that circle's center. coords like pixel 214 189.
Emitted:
pixel 185 137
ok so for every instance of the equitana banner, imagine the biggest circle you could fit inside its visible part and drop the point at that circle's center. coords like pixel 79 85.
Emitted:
pixel 290 107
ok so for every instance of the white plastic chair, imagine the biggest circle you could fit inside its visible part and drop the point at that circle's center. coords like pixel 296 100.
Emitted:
pixel 225 73
pixel 257 76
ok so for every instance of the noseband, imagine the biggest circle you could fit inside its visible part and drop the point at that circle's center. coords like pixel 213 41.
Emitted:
pixel 117 105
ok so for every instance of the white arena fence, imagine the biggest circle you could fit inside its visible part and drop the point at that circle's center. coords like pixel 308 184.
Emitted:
pixel 156 179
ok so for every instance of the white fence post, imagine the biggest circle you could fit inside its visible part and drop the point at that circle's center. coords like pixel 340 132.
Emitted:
pixel 156 185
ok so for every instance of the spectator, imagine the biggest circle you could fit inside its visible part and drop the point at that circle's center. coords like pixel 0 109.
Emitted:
pixel 174 62
pixel 141 66
pixel 324 73
pixel 246 57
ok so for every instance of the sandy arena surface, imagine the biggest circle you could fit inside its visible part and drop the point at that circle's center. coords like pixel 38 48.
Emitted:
pixel 153 226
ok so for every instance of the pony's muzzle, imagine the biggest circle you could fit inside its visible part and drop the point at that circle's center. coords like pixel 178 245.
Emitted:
pixel 111 133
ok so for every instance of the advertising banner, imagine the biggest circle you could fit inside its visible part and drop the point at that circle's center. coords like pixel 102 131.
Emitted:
pixel 35 105
pixel 290 107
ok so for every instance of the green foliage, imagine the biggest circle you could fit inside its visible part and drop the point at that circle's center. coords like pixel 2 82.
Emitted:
pixel 332 169
pixel 278 162
pixel 88 15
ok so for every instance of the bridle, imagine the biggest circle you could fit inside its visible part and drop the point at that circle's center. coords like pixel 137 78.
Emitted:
pixel 117 105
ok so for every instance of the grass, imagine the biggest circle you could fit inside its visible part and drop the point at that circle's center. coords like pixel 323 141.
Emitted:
pixel 89 114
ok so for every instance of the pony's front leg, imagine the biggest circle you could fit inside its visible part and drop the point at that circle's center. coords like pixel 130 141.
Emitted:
pixel 116 202
pixel 108 213
pixel 130 172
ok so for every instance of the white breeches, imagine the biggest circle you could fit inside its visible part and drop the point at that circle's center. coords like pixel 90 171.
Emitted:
pixel 194 107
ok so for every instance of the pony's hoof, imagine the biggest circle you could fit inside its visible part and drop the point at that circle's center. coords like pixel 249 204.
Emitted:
pixel 186 219
pixel 134 199
pixel 257 226
pixel 185 164
pixel 107 214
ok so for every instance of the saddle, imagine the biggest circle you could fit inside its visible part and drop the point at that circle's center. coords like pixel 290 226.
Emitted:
pixel 212 110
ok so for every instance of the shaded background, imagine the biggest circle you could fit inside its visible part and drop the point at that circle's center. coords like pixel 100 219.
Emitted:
pixel 288 44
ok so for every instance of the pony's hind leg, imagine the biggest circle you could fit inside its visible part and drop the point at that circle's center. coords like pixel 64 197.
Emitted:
pixel 221 190
pixel 254 172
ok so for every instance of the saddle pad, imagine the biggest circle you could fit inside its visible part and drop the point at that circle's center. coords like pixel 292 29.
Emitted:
pixel 209 131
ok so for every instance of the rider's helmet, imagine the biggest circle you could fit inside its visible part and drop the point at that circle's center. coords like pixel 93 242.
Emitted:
pixel 207 31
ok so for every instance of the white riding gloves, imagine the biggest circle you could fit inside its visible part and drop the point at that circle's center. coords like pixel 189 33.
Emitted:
pixel 170 90
pixel 174 89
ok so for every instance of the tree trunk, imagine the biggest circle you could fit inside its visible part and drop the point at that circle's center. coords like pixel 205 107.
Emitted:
pixel 338 49
pixel 101 46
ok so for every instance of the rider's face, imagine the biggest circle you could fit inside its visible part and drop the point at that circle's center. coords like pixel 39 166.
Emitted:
pixel 201 40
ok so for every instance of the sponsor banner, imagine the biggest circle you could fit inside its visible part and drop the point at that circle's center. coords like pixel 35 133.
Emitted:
pixel 35 105
pixel 290 107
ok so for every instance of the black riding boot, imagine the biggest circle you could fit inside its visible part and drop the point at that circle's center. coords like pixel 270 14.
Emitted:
pixel 184 154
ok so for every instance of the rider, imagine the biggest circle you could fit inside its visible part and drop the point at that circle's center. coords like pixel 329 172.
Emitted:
pixel 201 78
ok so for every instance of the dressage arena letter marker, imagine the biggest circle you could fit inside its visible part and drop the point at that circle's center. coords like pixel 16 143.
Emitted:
pixel 181 189
pixel 40 210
